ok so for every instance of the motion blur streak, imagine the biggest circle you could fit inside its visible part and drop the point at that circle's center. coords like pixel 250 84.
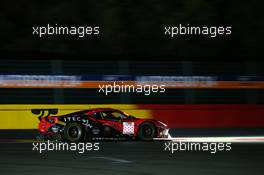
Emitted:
pixel 174 115
pixel 20 116
pixel 249 139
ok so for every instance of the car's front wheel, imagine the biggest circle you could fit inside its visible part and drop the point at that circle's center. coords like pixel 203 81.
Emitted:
pixel 147 131
pixel 73 132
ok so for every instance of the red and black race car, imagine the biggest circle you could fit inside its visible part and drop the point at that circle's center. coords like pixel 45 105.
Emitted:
pixel 97 123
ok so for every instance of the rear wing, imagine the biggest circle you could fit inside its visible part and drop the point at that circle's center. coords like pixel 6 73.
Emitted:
pixel 41 112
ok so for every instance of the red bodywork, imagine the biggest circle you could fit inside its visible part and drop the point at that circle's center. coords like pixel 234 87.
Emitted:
pixel 45 124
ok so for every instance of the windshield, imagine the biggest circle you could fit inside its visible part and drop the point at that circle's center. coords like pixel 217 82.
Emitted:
pixel 116 115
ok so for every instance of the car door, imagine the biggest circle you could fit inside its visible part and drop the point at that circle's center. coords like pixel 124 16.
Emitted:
pixel 112 119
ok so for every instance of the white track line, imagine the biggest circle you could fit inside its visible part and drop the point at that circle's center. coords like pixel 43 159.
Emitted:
pixel 245 139
pixel 248 139
pixel 115 160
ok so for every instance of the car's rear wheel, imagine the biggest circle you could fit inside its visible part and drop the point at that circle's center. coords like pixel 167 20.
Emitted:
pixel 147 131
pixel 73 132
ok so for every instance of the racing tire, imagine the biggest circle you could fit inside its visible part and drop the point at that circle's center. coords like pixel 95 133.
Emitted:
pixel 147 131
pixel 73 132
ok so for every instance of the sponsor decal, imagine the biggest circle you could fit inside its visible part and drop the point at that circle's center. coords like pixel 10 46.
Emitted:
pixel 128 127
pixel 72 119
pixel 85 122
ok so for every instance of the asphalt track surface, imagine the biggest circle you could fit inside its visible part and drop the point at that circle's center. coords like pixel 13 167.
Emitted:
pixel 130 157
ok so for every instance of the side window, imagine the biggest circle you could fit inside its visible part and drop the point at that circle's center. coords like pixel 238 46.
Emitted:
pixel 104 115
pixel 113 116
pixel 97 115
pixel 118 115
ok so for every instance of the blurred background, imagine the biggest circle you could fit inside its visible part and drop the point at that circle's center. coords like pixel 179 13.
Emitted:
pixel 228 99
pixel 221 92
pixel 228 71
pixel 229 93
pixel 132 28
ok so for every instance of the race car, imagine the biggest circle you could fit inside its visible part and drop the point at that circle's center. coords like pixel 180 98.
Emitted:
pixel 97 123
